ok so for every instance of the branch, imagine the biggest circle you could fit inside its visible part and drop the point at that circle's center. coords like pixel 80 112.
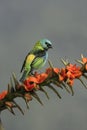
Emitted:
pixel 53 78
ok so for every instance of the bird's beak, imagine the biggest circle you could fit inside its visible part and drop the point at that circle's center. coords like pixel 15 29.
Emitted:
pixel 50 46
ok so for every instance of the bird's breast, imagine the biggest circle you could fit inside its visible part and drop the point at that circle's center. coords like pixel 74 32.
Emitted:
pixel 45 57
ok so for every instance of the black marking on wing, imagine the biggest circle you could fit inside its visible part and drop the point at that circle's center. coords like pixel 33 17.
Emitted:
pixel 39 53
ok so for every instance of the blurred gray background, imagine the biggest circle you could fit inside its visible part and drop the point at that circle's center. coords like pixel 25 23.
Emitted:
pixel 64 22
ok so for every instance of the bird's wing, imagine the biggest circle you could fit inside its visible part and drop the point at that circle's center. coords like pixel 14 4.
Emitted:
pixel 28 59
pixel 37 63
pixel 39 59
pixel 33 57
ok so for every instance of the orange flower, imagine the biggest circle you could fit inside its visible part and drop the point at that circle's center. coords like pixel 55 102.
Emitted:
pixel 62 75
pixel 50 71
pixel 70 75
pixel 41 77
pixel 60 78
pixel 70 82
pixel 30 83
pixel 3 94
pixel 84 59
pixel 56 70
pixel 73 71
pixel 67 77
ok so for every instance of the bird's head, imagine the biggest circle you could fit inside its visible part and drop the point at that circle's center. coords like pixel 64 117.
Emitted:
pixel 44 44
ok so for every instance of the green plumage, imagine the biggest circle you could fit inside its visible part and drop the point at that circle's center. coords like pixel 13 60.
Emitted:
pixel 36 58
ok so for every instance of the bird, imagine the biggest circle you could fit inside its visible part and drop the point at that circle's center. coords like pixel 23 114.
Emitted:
pixel 36 58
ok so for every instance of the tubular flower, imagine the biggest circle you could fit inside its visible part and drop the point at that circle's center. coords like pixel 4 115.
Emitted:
pixel 62 75
pixel 30 83
pixel 41 77
pixel 73 71
pixel 66 76
pixel 84 60
pixel 51 71
pixel 3 94
pixel 70 82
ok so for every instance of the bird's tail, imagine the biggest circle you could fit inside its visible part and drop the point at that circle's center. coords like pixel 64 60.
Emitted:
pixel 24 75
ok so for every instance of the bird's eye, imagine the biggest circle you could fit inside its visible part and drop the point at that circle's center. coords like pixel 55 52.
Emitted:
pixel 46 43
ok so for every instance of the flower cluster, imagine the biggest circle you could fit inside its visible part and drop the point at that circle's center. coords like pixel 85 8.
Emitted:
pixel 67 75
